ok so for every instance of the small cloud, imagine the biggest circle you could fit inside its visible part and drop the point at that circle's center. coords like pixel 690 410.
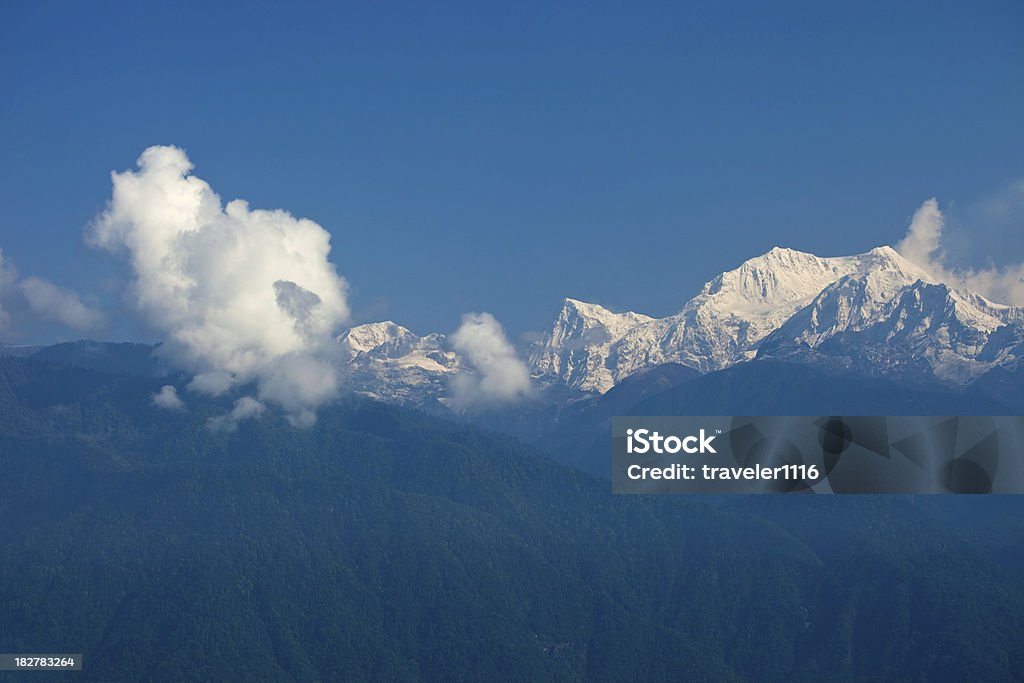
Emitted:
pixel 45 300
pixel 60 305
pixel 167 398
pixel 922 241
pixel 496 375
pixel 246 408
pixel 925 245
pixel 213 383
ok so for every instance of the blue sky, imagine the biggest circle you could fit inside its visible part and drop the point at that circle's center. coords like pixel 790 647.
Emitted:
pixel 499 157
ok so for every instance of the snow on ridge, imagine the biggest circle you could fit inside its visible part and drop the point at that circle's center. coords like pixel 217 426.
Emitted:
pixel 877 303
pixel 736 311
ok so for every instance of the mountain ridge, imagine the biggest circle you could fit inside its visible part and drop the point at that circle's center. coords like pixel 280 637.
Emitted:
pixel 875 312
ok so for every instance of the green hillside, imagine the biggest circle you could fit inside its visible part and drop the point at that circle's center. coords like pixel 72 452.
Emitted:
pixel 388 545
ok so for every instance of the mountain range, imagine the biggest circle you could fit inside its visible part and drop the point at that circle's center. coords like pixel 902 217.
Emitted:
pixel 388 543
pixel 874 314
pixel 871 315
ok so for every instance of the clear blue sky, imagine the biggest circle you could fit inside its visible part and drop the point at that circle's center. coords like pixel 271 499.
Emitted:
pixel 499 157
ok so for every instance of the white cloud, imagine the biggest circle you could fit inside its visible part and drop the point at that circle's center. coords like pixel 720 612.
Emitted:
pixel 45 299
pixel 924 245
pixel 242 296
pixel 497 374
pixel 60 305
pixel 921 243
pixel 168 399
pixel 246 408
pixel 298 382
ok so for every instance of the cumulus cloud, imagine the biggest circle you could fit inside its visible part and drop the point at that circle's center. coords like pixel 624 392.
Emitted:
pixel 242 296
pixel 168 399
pixel 246 408
pixel 924 245
pixel 496 375
pixel 60 305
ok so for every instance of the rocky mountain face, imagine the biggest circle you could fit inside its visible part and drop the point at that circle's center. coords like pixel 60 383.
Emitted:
pixel 874 313
pixel 390 363
pixel 898 322
pixel 724 324
pixel 580 349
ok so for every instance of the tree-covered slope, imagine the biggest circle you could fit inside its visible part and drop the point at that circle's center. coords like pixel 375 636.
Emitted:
pixel 384 544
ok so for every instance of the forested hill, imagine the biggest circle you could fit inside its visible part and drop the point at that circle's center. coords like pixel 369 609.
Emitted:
pixel 383 544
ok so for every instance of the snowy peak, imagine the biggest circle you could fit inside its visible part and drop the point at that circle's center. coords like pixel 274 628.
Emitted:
pixel 785 276
pixel 589 348
pixel 854 301
pixel 882 324
pixel 727 321
pixel 388 361
pixel 1007 314
pixel 777 277
pixel 887 265
pixel 580 323
pixel 575 351
pixel 783 298
pixel 937 304
pixel 875 313
pixel 384 339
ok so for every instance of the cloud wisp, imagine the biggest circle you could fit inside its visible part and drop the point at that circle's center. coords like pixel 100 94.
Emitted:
pixel 246 408
pixel 924 245
pixel 242 296
pixel 60 305
pixel 496 375
pixel 45 300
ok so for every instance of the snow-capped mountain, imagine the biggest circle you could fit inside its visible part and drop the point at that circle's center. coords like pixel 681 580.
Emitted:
pixel 577 351
pixel 871 323
pixel 794 299
pixel 874 313
pixel 389 362
pixel 734 312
